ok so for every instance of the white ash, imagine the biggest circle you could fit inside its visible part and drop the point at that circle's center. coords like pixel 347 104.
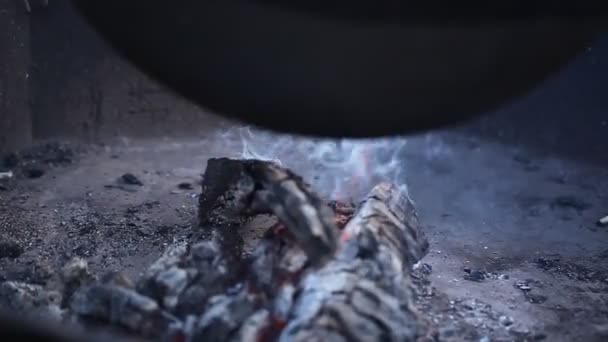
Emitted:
pixel 6 175
pixel 254 327
pixel 123 307
pixel 31 300
pixel 225 315
pixel 76 270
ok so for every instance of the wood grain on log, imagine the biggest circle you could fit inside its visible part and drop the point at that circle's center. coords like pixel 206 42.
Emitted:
pixel 364 293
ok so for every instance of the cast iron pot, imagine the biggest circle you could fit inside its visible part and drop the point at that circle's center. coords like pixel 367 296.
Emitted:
pixel 347 68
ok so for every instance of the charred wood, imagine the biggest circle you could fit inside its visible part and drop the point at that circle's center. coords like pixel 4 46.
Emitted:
pixel 303 212
pixel 115 304
pixel 226 194
pixel 364 293
pixel 185 277
pixel 233 190
pixel 228 316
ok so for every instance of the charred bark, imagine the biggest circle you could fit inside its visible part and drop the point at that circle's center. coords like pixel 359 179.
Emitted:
pixel 364 293
pixel 233 190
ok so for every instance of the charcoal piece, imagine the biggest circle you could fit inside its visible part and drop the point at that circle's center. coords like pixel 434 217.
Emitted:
pixel 185 186
pixel 76 270
pixel 548 263
pixel 11 160
pixel 166 279
pixel 475 275
pixel 523 286
pixel 363 293
pixel 29 299
pixel 185 331
pixel 225 316
pixel 227 188
pixel 174 281
pixel 193 299
pixel 352 308
pixel 32 273
pixel 74 274
pixel 123 307
pixel 119 187
pixel 172 257
pixel 185 277
pixel 213 276
pixel 362 290
pixel 5 174
pixel 570 202
pixel 34 173
pixel 131 179
pixel 276 260
pixel 119 279
pixel 10 249
pixel 339 207
pixel 535 298
pixel 226 192
pixel 389 218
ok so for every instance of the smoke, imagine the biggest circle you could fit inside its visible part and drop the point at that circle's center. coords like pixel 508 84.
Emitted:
pixel 337 168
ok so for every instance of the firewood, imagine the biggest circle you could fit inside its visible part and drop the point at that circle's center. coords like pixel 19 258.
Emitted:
pixel 364 293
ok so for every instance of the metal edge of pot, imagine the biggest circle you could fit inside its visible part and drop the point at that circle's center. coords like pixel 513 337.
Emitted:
pixel 300 73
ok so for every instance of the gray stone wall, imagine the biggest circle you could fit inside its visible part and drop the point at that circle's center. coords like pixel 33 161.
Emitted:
pixel 58 78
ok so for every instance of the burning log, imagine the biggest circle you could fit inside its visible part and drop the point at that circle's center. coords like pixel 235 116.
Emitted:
pixel 325 271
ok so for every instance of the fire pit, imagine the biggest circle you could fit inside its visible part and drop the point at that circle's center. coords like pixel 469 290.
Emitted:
pixel 125 242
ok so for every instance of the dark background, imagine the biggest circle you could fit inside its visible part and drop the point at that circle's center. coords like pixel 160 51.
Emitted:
pixel 59 80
